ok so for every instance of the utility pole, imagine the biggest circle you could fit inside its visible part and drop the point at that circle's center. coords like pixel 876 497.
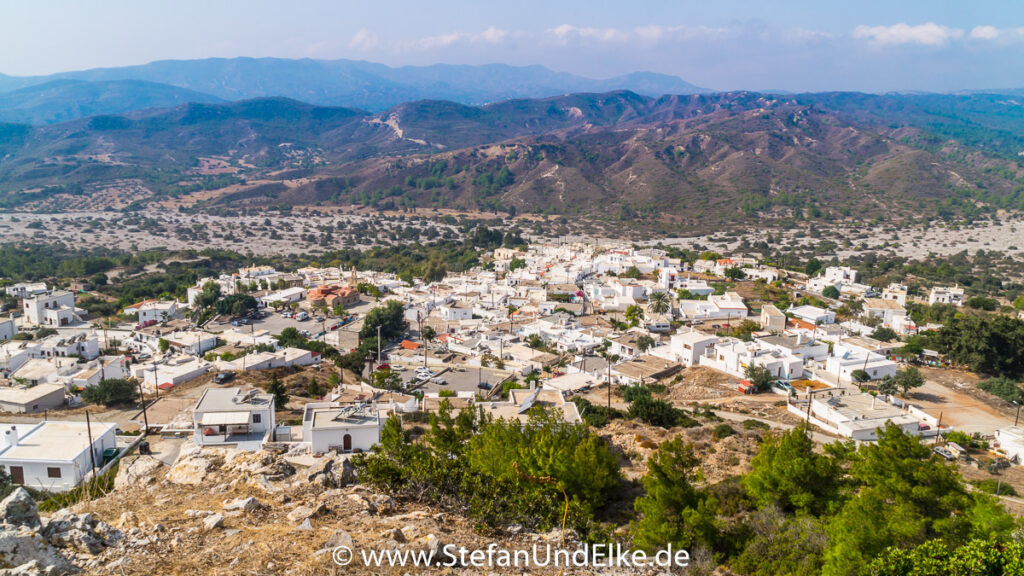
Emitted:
pixel 92 451
pixel 378 345
pixel 156 380
pixel 145 417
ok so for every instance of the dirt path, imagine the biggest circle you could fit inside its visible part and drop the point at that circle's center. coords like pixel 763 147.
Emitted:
pixel 955 395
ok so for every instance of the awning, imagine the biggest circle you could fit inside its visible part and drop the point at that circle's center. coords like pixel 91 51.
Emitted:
pixel 225 418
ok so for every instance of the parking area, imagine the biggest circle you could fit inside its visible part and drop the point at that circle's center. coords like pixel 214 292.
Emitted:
pixel 455 378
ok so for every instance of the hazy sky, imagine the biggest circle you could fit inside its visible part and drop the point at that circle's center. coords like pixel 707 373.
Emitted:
pixel 725 44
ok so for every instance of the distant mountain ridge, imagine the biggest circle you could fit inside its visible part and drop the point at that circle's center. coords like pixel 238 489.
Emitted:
pixel 346 83
pixel 668 163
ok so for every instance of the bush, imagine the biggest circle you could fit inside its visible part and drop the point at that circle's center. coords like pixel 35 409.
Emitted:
pixel 659 413
pixel 750 424
pixel 1002 387
pixel 722 431
pixel 993 486
pixel 111 392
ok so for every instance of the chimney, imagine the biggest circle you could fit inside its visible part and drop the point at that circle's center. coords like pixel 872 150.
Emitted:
pixel 799 338
pixel 11 436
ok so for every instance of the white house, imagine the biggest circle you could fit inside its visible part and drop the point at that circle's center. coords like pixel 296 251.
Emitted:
pixel 854 415
pixel 728 307
pixel 8 328
pixel 732 356
pixel 688 347
pixel 948 295
pixel 54 455
pixel 153 311
pixel 886 310
pixel 26 289
pixel 286 296
pixel 230 416
pixel 52 309
pixel 846 359
pixel 31 399
pixel 328 426
pixel 456 312
pixel 813 314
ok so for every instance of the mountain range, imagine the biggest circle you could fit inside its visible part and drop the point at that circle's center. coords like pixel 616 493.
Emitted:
pixel 347 83
pixel 668 163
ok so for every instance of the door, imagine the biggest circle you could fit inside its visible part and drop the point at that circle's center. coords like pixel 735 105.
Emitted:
pixel 346 443
pixel 17 475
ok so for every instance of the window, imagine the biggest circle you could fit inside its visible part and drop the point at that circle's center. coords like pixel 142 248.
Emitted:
pixel 53 472
pixel 257 418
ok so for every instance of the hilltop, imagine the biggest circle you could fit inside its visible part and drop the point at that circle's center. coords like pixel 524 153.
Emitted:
pixel 698 160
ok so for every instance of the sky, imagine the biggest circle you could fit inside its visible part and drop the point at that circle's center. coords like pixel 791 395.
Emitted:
pixel 796 45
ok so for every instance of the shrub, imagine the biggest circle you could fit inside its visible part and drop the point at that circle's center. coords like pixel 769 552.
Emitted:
pixel 722 431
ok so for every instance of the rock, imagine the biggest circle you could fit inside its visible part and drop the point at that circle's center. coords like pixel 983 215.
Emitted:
pixel 213 522
pixel 19 509
pixel 305 512
pixel 333 473
pixel 410 532
pixel 339 538
pixel 20 546
pixel 33 568
pixel 365 504
pixel 246 505
pixel 127 520
pixel 193 465
pixel 192 514
pixel 383 503
pixel 392 534
pixel 136 471
pixel 305 525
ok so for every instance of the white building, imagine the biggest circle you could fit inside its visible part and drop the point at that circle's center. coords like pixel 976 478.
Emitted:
pixel 948 295
pixel 31 399
pixel 728 307
pixel 688 347
pixel 836 276
pixel 54 455
pixel 230 416
pixel 8 328
pixel 26 289
pixel 886 310
pixel 154 311
pixel 854 415
pixel 813 314
pixel 330 426
pixel 52 309
pixel 847 359
pixel 286 296
pixel 732 356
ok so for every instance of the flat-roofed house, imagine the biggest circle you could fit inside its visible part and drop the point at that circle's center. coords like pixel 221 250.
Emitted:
pixel 54 455
pixel 233 416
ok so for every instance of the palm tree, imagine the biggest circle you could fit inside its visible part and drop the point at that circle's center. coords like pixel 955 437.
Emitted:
pixel 659 302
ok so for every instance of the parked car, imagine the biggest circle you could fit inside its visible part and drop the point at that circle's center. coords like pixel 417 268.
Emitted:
pixel 301 316
pixel 484 386
pixel 384 366
pixel 944 453
pixel 224 377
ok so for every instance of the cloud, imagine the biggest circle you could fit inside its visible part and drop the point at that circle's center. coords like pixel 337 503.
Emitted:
pixel 491 35
pixel 364 40
pixel 928 34
pixel 567 31
pixel 985 33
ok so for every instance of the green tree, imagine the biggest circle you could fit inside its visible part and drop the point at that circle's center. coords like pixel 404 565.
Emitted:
pixel 111 392
pixel 909 379
pixel 735 273
pixel 904 496
pixel 860 375
pixel 644 343
pixel 634 314
pixel 759 376
pixel 812 267
pixel 884 334
pixel 429 333
pixel 830 292
pixel 659 303
pixel 788 473
pixel 163 345
pixel 390 318
pixel 386 380
pixel 277 388
pixel 673 511
pixel 1018 302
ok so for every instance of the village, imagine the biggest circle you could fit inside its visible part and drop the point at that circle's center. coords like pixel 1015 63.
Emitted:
pixel 569 327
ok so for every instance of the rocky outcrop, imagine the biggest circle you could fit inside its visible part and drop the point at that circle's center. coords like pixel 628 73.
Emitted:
pixel 137 471
pixel 335 472
pixel 19 509
pixel 194 464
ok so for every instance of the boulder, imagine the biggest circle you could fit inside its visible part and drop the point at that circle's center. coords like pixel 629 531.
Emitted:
pixel 246 505
pixel 193 465
pixel 20 546
pixel 213 521
pixel 305 525
pixel 136 471
pixel 333 473
pixel 305 512
pixel 339 538
pixel 33 568
pixel 19 509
